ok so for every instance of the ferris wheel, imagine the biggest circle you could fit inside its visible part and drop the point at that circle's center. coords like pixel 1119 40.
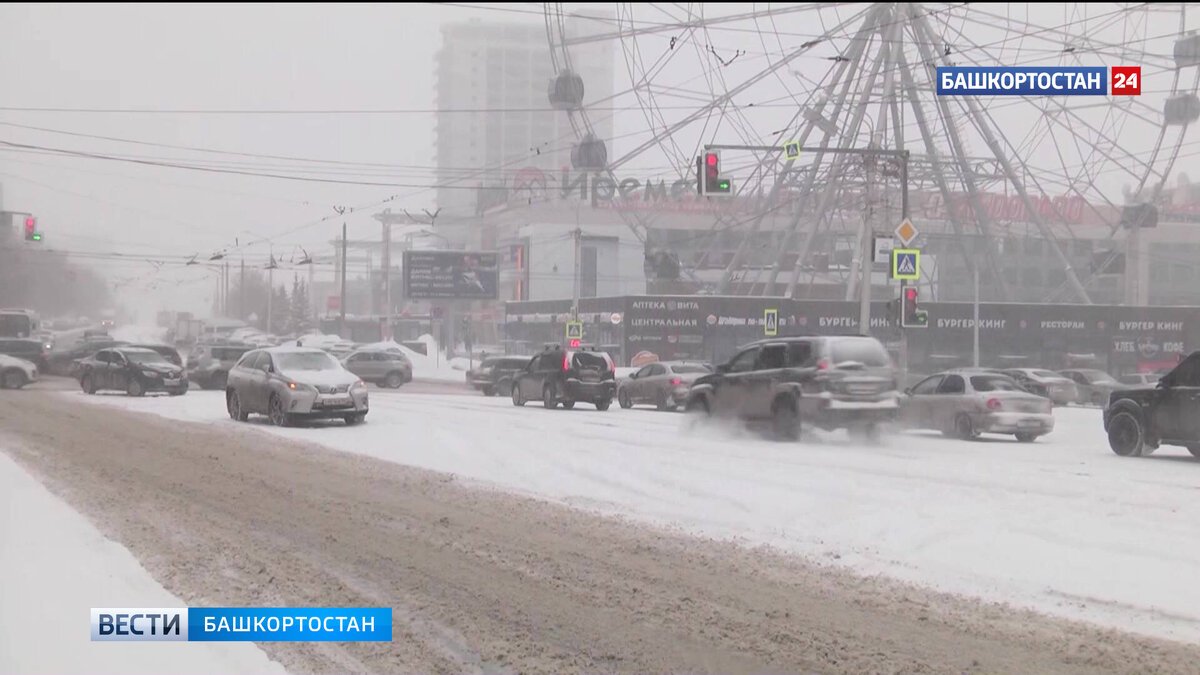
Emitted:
pixel 863 76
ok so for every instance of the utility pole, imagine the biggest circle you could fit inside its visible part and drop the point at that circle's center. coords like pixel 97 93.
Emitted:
pixel 270 286
pixel 387 281
pixel 578 273
pixel 242 291
pixel 342 304
pixel 975 323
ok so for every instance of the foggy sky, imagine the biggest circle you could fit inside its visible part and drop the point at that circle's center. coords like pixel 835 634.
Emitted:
pixel 320 57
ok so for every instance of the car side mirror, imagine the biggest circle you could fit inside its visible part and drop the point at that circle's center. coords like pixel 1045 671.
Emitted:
pixel 723 368
pixel 1163 383
pixel 908 392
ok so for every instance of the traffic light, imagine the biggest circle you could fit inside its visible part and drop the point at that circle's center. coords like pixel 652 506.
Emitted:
pixel 31 233
pixel 911 315
pixel 709 182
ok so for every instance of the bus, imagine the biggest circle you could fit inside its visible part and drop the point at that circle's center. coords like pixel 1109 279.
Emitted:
pixel 19 323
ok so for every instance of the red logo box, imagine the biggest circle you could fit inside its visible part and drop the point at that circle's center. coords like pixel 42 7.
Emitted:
pixel 1126 80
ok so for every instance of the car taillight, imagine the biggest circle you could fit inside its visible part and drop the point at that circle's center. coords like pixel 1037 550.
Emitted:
pixel 822 364
pixel 676 382
pixel 612 366
pixel 993 404
pixel 566 362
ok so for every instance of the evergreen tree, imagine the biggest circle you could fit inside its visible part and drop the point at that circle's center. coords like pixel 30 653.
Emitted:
pixel 281 309
pixel 300 318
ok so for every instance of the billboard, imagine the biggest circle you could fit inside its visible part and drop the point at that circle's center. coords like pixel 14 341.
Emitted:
pixel 463 275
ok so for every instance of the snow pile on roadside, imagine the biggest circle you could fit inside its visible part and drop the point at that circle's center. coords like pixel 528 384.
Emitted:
pixel 57 566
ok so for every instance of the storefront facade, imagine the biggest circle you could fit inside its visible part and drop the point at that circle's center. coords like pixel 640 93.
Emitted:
pixel 1114 338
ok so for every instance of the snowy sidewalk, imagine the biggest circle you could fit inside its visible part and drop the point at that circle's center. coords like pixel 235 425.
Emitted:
pixel 54 567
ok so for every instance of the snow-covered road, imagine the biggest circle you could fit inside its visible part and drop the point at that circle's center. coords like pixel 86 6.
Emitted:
pixel 1061 525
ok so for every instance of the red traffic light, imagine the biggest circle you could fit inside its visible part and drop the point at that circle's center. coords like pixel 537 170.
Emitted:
pixel 711 159
pixel 910 294
pixel 574 343
pixel 30 224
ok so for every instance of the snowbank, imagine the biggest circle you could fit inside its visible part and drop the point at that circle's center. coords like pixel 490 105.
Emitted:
pixel 56 567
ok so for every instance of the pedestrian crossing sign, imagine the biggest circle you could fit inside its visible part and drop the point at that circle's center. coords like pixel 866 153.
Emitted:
pixel 906 263
pixel 574 330
pixel 771 322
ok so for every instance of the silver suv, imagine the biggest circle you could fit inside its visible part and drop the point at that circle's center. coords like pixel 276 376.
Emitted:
pixel 384 368
pixel 291 383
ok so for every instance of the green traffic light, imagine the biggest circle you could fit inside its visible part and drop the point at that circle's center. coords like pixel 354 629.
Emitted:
pixel 724 185
pixel 37 237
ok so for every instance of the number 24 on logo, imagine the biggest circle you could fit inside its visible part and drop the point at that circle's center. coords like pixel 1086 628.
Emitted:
pixel 1127 81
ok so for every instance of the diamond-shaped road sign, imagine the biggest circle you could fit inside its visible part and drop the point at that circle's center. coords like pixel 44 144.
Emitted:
pixel 574 330
pixel 906 232
pixel 906 263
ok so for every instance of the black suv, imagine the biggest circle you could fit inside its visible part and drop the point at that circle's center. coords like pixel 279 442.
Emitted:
pixel 1140 419
pixel 831 382
pixel 567 376
pixel 495 375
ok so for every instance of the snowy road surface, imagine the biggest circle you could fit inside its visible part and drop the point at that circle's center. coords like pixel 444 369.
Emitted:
pixel 1061 525
pixel 478 580
pixel 56 567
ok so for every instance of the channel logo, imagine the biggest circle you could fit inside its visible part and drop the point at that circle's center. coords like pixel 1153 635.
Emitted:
pixel 241 624
pixel 1033 81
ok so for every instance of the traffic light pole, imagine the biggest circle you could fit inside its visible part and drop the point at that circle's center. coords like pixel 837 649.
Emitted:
pixel 865 298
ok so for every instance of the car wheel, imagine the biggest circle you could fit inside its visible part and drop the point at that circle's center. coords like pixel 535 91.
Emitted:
pixel 697 406
pixel 178 392
pixel 548 399
pixel 785 422
pixel 394 380
pixel 567 405
pixel 661 401
pixel 135 388
pixel 603 404
pixel 1026 437
pixel 1125 435
pixel 623 399
pixel 276 413
pixel 517 399
pixel 352 420
pixel 12 379
pixel 964 428
pixel 87 384
pixel 219 380
pixel 487 390
pixel 504 388
pixel 233 404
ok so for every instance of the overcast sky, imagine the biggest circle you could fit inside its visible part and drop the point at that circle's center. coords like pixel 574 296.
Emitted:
pixel 314 56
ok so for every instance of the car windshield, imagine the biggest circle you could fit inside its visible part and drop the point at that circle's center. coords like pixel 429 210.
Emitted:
pixel 306 361
pixel 993 383
pixel 861 350
pixel 689 368
pixel 145 358
pixel 1047 374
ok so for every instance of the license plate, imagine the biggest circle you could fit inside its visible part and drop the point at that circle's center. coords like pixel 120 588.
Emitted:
pixel 1029 423
pixel 337 400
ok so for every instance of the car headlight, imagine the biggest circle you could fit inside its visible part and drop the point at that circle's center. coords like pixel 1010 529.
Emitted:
pixel 358 386
pixel 149 373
